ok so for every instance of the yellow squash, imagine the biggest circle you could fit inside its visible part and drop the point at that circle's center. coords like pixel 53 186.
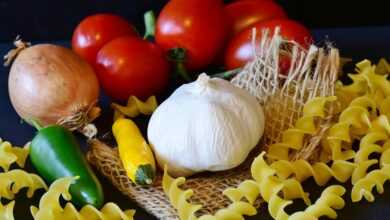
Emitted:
pixel 134 151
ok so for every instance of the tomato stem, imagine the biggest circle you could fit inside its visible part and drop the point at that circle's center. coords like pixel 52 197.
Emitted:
pixel 181 70
pixel 227 74
pixel 178 56
pixel 150 25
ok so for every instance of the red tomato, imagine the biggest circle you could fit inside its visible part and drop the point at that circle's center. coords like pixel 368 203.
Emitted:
pixel 195 25
pixel 95 31
pixel 245 13
pixel 239 50
pixel 132 66
pixel 253 0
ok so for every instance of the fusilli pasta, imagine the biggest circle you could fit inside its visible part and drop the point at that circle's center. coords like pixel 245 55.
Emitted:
pixel 135 107
pixel 270 185
pixel 50 207
pixel 6 211
pixel 364 186
pixel 301 170
pixel 13 181
pixel 186 210
pixel 330 199
pixel 294 138
pixel 10 155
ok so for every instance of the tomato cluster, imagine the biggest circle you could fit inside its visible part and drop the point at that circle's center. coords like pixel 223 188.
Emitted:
pixel 189 35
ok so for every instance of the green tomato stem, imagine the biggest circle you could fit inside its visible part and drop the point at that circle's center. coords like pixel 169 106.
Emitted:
pixel 227 74
pixel 178 56
pixel 150 25
pixel 181 70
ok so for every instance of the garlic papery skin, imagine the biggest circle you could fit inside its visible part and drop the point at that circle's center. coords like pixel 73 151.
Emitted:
pixel 206 125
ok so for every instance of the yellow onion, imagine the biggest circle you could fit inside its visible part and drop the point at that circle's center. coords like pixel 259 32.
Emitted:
pixel 50 84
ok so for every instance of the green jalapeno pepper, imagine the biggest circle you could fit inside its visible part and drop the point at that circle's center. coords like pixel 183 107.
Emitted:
pixel 55 153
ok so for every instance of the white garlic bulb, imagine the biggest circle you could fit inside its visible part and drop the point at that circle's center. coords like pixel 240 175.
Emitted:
pixel 206 125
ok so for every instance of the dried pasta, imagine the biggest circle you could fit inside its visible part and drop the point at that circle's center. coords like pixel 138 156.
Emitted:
pixel 10 155
pixel 6 211
pixel 364 186
pixel 186 210
pixel 330 199
pixel 13 181
pixel 50 207
pixel 368 145
pixel 235 210
pixel 354 120
pixel 366 81
pixel 135 107
pixel 360 119
pixel 301 170
pixel 270 185
pixel 248 189
pixel 383 67
pixel 293 138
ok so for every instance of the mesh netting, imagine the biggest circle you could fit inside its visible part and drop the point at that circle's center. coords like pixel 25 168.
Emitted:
pixel 312 73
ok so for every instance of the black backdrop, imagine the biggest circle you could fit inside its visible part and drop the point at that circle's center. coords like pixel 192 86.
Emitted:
pixel 56 19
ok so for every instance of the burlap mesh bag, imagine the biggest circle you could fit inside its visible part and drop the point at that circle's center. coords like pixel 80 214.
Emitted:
pixel 312 73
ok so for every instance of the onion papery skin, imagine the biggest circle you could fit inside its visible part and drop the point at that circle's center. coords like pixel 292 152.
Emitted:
pixel 48 83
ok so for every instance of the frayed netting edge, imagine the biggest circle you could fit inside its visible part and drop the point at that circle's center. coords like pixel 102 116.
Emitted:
pixel 312 73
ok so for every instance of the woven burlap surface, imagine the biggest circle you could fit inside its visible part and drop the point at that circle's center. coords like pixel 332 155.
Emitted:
pixel 207 187
pixel 313 72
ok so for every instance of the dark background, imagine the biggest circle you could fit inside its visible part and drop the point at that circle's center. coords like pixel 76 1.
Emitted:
pixel 55 20
pixel 359 29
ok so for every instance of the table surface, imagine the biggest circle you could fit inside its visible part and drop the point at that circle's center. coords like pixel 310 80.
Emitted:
pixel 358 43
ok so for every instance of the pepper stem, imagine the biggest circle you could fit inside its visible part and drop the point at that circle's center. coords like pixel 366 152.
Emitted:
pixel 178 56
pixel 150 25
pixel 36 124
pixel 227 74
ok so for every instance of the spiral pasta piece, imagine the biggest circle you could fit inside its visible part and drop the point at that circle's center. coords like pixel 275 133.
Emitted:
pixel 50 207
pixel 248 189
pixel 368 145
pixel 366 81
pixel 186 210
pixel 354 120
pixel 294 138
pixel 384 107
pixel 13 181
pixel 236 210
pixel 301 170
pixel 135 107
pixel 364 186
pixel 10 155
pixel 178 197
pixel 380 124
pixel 383 67
pixel 6 211
pixel 271 185
pixel 330 199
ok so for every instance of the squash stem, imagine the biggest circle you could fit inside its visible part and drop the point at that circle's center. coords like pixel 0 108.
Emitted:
pixel 150 25
pixel 148 181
